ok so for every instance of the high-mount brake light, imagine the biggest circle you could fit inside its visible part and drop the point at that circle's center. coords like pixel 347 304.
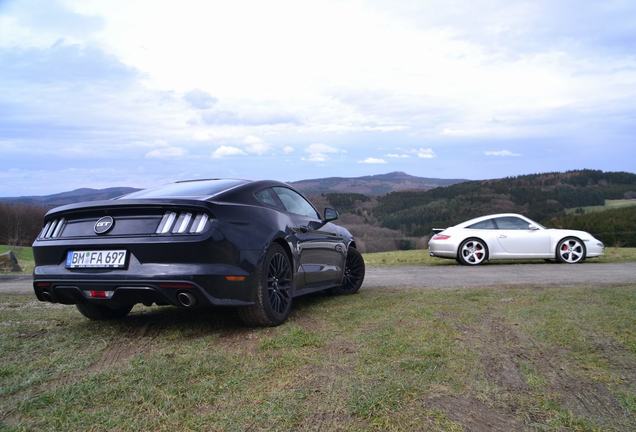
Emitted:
pixel 440 237
pixel 182 223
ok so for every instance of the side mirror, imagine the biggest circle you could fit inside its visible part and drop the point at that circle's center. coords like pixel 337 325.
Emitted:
pixel 330 215
pixel 533 227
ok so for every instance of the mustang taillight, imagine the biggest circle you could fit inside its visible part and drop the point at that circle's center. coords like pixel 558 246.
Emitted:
pixel 52 229
pixel 440 237
pixel 182 222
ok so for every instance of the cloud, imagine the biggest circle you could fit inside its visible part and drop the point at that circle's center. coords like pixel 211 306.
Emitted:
pixel 225 151
pixel 166 153
pixel 398 155
pixel 501 153
pixel 221 117
pixel 255 145
pixel 199 99
pixel 319 152
pixel 288 149
pixel 372 161
pixel 425 153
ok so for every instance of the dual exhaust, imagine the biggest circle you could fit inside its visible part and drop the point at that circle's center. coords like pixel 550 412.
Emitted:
pixel 184 298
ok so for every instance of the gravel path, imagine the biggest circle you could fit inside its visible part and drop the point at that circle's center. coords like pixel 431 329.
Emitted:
pixel 500 274
pixel 452 277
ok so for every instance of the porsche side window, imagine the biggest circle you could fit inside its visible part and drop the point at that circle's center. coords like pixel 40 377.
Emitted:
pixel 265 197
pixel 485 224
pixel 295 203
pixel 511 223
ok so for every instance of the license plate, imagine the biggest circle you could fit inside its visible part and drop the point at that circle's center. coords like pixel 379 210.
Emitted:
pixel 96 259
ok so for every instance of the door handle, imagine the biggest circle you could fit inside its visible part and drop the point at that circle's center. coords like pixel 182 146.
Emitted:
pixel 503 236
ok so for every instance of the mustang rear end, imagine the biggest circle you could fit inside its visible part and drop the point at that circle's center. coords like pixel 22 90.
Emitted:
pixel 121 252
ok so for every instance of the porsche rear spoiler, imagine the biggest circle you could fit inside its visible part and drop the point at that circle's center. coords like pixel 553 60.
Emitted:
pixel 437 230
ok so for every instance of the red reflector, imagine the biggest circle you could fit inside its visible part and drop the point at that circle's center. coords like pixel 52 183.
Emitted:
pixel 42 284
pixel 235 278
pixel 176 285
pixel 440 237
pixel 98 294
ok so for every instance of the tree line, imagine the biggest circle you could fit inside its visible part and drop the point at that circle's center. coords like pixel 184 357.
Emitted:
pixel 20 223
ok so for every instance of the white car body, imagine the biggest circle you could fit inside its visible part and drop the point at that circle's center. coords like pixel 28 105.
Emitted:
pixel 527 239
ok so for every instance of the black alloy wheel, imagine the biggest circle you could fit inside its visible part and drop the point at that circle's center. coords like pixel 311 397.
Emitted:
pixel 274 290
pixel 353 273
pixel 279 282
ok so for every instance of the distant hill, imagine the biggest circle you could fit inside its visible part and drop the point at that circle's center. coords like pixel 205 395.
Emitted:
pixel 368 185
pixel 74 196
pixel 373 185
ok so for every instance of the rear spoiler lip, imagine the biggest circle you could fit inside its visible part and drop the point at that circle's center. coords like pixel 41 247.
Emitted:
pixel 438 230
pixel 109 204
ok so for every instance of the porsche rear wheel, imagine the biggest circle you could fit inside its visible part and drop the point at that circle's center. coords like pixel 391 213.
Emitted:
pixel 472 252
pixel 274 291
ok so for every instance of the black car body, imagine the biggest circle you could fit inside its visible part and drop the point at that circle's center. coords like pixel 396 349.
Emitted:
pixel 194 243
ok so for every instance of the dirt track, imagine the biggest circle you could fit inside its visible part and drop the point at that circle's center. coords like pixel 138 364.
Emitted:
pixel 452 277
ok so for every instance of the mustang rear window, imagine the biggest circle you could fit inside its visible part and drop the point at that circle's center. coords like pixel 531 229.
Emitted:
pixel 201 188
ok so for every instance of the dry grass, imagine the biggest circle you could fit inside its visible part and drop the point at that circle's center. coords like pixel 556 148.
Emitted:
pixel 531 358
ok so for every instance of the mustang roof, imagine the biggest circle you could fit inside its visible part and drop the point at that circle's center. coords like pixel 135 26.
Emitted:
pixel 188 189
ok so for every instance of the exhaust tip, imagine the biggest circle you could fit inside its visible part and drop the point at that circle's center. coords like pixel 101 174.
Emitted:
pixel 186 299
pixel 46 296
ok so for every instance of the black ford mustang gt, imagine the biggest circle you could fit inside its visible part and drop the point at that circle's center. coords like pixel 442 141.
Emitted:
pixel 252 245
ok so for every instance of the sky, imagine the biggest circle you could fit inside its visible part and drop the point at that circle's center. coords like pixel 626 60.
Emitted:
pixel 140 93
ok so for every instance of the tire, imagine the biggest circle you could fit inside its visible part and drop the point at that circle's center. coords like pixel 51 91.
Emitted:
pixel 570 250
pixel 472 252
pixel 353 273
pixel 102 313
pixel 274 290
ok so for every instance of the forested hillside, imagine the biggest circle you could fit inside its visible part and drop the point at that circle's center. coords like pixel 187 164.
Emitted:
pixel 539 196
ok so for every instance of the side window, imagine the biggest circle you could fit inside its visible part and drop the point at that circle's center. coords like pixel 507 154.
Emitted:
pixel 265 197
pixel 295 203
pixel 485 224
pixel 511 223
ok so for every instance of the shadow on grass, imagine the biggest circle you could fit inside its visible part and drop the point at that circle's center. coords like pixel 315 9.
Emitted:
pixel 197 321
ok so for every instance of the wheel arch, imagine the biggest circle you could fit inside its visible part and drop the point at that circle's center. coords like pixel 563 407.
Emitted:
pixel 285 245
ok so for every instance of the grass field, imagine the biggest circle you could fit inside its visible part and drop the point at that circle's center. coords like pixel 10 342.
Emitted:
pixel 609 204
pixel 503 359
pixel 421 257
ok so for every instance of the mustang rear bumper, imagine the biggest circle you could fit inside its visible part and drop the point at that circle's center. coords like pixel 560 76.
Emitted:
pixel 147 283
pixel 126 292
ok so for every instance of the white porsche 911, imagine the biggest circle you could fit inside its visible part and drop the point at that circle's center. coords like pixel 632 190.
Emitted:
pixel 512 236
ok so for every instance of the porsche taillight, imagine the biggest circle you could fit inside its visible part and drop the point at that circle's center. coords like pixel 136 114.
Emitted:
pixel 184 222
